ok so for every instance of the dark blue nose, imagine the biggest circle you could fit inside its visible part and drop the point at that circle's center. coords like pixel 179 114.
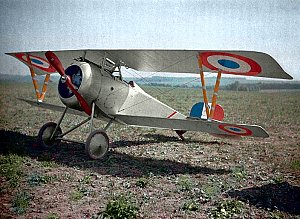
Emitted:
pixel 75 73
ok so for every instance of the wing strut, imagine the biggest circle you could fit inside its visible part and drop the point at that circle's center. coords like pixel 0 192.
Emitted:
pixel 40 96
pixel 209 112
pixel 203 86
pixel 214 98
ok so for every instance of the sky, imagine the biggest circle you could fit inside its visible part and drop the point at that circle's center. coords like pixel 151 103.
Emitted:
pixel 270 26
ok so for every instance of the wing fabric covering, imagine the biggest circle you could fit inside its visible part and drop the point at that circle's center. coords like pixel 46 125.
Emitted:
pixel 248 63
pixel 53 107
pixel 212 127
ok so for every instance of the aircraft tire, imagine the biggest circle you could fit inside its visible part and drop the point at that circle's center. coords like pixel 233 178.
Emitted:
pixel 45 134
pixel 97 145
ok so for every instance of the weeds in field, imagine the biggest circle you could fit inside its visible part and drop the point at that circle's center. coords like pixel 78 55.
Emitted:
pixel 76 195
pixel 49 164
pixel 190 205
pixel 68 177
pixel 239 173
pixel 142 182
pixel 295 165
pixel 86 180
pixel 46 161
pixel 37 179
pixel 81 189
pixel 276 215
pixel 184 183
pixel 11 168
pixel 21 202
pixel 278 179
pixel 79 193
pixel 227 209
pixel 52 216
pixel 210 191
pixel 119 207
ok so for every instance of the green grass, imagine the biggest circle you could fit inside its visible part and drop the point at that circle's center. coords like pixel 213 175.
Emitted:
pixel 142 182
pixel 227 209
pixel 46 161
pixel 190 205
pixel 276 215
pixel 21 202
pixel 36 179
pixel 86 180
pixel 52 216
pixel 49 164
pixel 120 207
pixel 82 190
pixel 11 168
pixel 76 195
pixel 184 183
pixel 239 173
pixel 278 179
pixel 210 190
pixel 295 165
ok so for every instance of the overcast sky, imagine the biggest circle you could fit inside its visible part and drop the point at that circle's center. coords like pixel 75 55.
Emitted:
pixel 270 26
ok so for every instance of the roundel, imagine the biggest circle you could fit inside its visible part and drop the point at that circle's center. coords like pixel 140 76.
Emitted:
pixel 236 130
pixel 37 62
pixel 230 63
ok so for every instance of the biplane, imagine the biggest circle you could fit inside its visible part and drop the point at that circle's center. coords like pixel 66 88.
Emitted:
pixel 92 86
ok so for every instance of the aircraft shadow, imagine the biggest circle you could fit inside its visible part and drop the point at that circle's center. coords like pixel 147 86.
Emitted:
pixel 158 138
pixel 282 196
pixel 117 164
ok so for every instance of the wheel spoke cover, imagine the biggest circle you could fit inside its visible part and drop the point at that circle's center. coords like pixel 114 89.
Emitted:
pixel 45 134
pixel 97 144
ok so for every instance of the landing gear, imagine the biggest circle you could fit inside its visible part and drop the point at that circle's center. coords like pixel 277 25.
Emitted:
pixel 48 134
pixel 96 145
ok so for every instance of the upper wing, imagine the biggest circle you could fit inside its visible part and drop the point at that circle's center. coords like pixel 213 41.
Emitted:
pixel 246 63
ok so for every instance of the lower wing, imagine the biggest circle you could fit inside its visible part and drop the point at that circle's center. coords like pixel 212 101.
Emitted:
pixel 53 107
pixel 212 127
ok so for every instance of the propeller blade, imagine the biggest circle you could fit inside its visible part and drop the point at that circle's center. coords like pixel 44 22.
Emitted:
pixel 56 63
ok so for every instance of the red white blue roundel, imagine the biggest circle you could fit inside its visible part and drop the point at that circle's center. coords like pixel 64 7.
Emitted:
pixel 236 130
pixel 230 63
pixel 37 62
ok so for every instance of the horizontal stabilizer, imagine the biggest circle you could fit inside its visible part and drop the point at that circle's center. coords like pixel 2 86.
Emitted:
pixel 212 127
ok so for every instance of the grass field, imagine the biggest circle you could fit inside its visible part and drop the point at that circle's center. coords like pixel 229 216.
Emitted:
pixel 150 173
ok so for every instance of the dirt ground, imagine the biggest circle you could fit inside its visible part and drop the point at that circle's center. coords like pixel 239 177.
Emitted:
pixel 164 177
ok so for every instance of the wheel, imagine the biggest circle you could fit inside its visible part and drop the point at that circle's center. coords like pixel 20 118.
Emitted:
pixel 97 145
pixel 45 134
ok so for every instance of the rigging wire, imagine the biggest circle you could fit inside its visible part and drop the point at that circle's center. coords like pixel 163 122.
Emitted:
pixel 156 72
pixel 162 92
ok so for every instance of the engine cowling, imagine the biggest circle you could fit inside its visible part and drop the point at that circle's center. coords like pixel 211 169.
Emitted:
pixel 87 80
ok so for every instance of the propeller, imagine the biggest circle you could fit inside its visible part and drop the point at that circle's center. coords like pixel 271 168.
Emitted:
pixel 56 63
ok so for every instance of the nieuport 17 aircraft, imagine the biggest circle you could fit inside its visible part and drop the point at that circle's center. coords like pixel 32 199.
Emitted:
pixel 92 85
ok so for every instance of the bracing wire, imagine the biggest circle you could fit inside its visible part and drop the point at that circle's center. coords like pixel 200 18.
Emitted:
pixel 162 92
pixel 156 72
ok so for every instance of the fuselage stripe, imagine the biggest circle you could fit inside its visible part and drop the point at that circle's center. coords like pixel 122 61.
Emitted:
pixel 171 115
